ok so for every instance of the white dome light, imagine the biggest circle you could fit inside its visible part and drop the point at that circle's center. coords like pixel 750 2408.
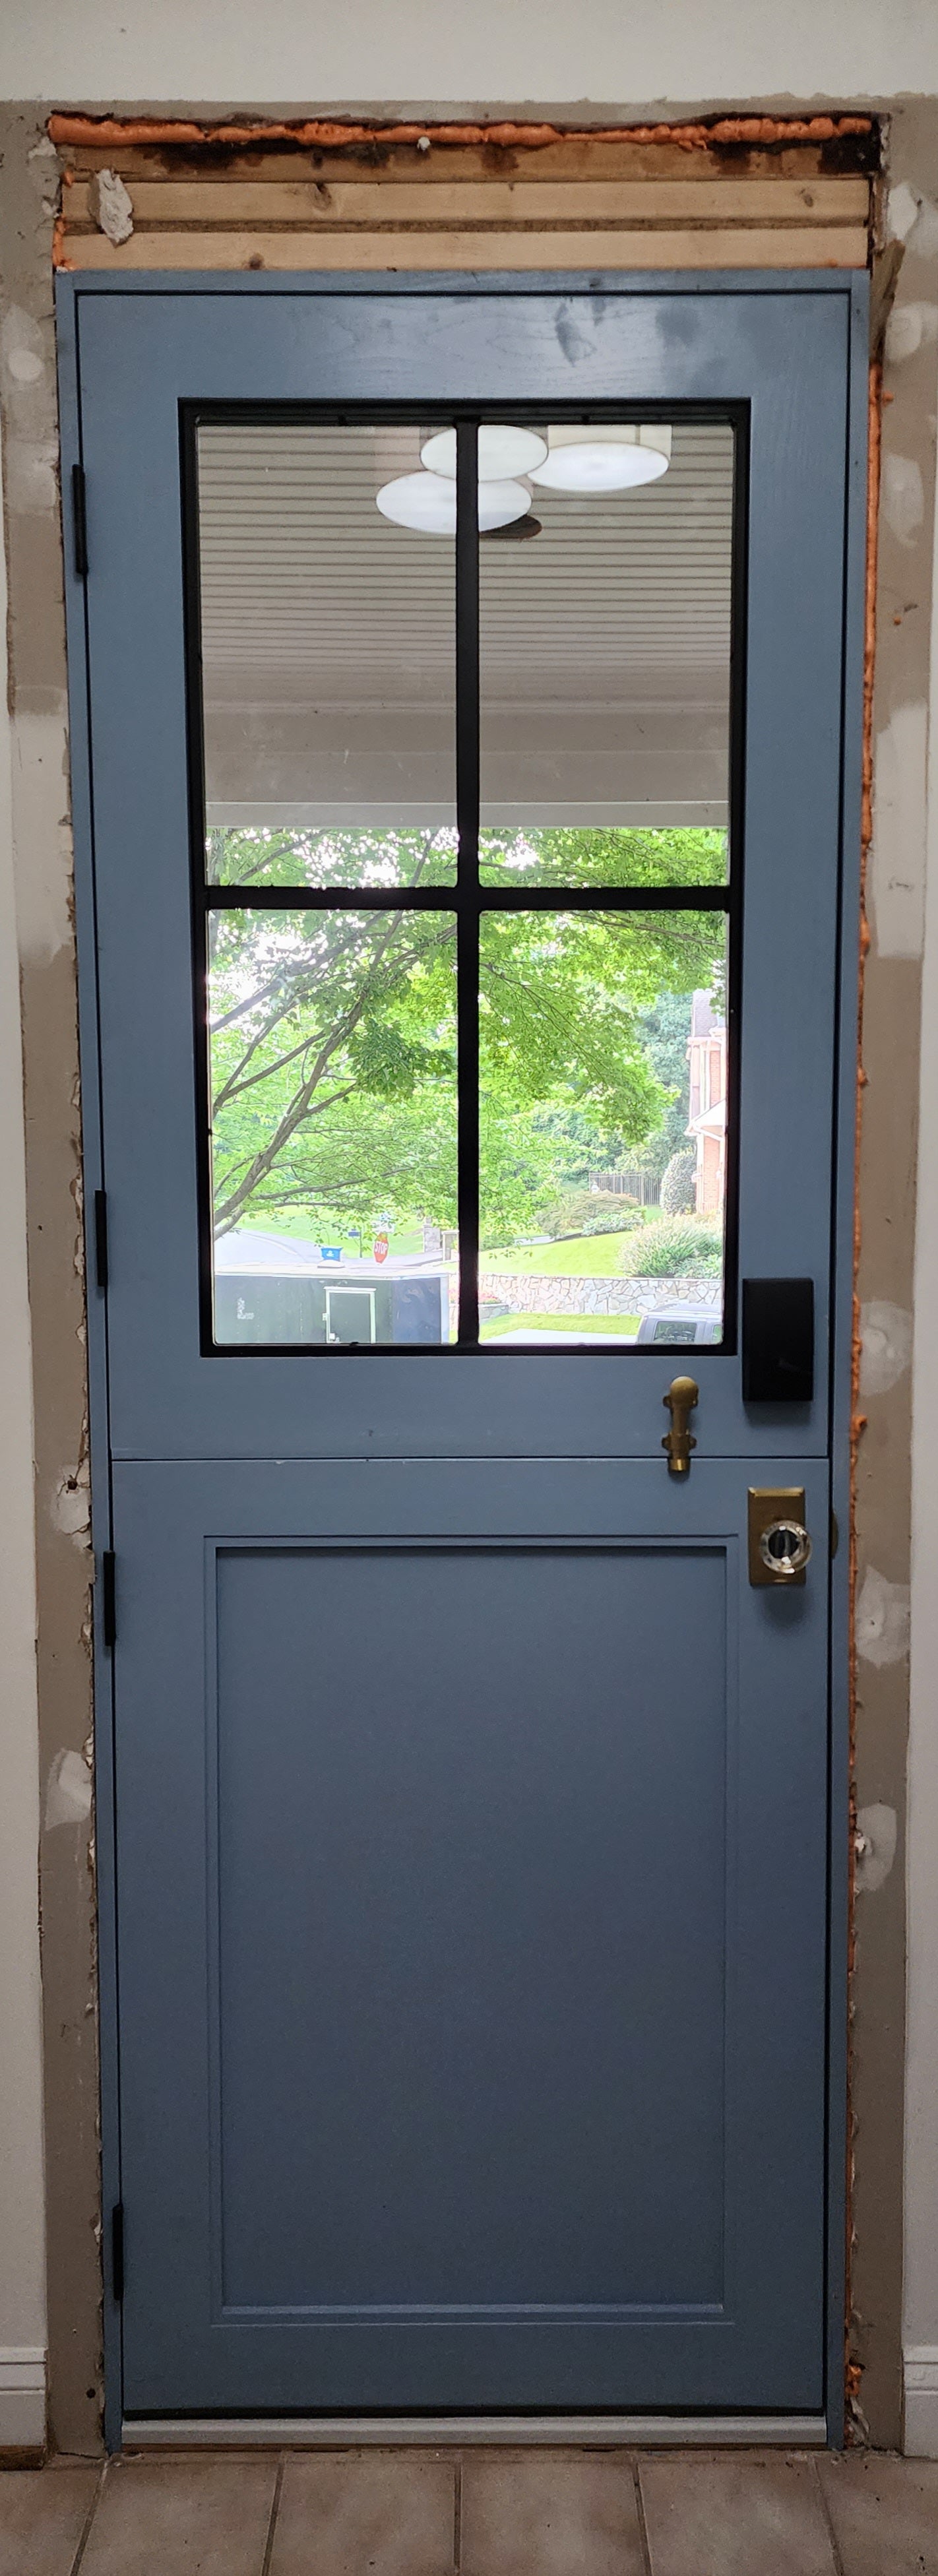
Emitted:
pixel 596 458
pixel 428 503
pixel 502 450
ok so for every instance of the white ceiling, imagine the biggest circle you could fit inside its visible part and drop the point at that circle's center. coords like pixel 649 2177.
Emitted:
pixel 306 588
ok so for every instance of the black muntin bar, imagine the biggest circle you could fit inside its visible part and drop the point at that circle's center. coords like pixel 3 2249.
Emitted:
pixel 490 898
pixel 737 786
pixel 195 750
pixel 467 879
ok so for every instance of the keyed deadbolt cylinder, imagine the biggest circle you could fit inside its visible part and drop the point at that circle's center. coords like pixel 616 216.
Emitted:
pixel 779 1545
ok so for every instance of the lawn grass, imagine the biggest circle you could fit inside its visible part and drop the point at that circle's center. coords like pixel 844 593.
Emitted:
pixel 585 1256
pixel 627 1324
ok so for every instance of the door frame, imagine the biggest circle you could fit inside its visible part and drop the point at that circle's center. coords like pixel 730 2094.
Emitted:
pixel 853 287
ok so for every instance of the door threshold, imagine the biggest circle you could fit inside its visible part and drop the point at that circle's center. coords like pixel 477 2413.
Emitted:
pixel 444 2432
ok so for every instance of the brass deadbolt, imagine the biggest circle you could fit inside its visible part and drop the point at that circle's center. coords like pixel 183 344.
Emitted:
pixel 779 1545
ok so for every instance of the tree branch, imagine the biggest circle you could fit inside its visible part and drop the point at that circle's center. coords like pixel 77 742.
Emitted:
pixel 231 1207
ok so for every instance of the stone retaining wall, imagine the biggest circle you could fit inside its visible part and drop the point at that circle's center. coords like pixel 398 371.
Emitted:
pixel 539 1293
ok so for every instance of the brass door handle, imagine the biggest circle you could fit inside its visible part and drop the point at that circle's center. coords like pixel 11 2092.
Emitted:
pixel 683 1393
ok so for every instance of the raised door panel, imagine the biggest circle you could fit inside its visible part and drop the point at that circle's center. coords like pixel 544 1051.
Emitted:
pixel 497 1920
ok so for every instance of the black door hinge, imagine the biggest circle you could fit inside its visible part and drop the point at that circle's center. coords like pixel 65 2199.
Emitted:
pixel 108 1597
pixel 117 2251
pixel 100 1238
pixel 79 521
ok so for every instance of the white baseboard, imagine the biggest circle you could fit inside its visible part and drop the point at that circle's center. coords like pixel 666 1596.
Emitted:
pixel 921 2401
pixel 316 2432
pixel 22 2397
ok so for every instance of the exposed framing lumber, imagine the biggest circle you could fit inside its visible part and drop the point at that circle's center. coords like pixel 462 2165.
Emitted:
pixel 739 247
pixel 744 192
pixel 452 204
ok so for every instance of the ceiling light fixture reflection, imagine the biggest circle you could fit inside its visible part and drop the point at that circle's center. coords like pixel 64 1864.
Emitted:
pixel 516 532
pixel 502 451
pixel 598 457
pixel 427 503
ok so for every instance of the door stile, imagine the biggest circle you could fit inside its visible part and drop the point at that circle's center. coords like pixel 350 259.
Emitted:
pixel 859 567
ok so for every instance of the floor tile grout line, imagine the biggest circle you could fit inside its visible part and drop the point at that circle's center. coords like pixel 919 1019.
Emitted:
pixel 89 2518
pixel 837 2560
pixel 274 2511
pixel 642 2523
pixel 457 2516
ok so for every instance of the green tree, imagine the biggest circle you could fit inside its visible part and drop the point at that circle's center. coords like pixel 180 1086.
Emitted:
pixel 333 1045
pixel 571 855
pixel 665 1028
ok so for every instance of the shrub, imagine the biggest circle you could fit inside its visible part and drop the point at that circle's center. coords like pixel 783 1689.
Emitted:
pixel 677 1184
pixel 593 1212
pixel 674 1244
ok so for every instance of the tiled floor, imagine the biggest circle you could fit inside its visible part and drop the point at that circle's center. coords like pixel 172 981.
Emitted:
pixel 475 2513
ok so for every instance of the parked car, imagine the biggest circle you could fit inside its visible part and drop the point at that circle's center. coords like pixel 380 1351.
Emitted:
pixel 681 1321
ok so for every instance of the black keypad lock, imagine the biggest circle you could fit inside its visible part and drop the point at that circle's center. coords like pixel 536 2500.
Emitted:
pixel 778 1341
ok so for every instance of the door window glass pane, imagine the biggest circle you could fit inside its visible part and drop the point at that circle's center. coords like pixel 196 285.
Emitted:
pixel 605 662
pixel 327 658
pixel 603 1103
pixel 333 1125
pixel 589 908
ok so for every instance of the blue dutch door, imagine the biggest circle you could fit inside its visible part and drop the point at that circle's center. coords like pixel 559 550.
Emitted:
pixel 461 928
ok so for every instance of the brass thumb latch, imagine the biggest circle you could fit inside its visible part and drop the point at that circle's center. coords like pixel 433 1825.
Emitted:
pixel 681 1398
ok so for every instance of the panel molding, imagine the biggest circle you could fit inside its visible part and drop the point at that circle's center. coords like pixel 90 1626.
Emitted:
pixel 233 2308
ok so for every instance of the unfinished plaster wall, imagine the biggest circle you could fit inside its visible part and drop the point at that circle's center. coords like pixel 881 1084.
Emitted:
pixel 891 1017
pixel 43 894
pixel 921 2195
pixel 621 56
pixel 22 2264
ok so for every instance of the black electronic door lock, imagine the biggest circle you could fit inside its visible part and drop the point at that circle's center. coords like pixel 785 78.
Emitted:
pixel 778 1341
